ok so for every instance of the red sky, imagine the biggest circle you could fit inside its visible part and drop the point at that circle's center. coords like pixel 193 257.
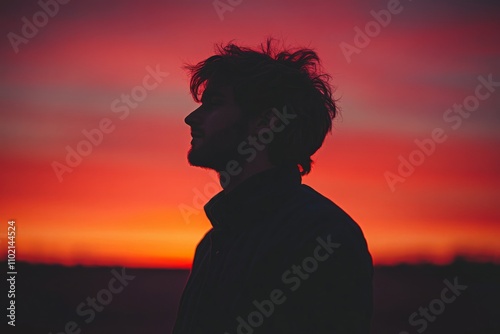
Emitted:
pixel 120 205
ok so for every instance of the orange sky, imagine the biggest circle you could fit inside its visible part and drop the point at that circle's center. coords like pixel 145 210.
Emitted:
pixel 121 204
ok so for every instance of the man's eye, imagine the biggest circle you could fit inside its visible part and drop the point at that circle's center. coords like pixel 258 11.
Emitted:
pixel 213 102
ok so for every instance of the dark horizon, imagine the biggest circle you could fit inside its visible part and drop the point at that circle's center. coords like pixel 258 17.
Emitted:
pixel 478 260
pixel 149 301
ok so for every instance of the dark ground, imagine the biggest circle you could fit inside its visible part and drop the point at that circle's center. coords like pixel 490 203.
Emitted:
pixel 47 298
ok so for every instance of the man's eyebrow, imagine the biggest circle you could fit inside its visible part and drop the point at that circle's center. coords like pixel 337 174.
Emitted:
pixel 210 93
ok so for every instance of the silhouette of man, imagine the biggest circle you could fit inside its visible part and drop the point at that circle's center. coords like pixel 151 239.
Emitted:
pixel 280 257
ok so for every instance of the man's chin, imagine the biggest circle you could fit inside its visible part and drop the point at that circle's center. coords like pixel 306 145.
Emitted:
pixel 197 159
pixel 211 160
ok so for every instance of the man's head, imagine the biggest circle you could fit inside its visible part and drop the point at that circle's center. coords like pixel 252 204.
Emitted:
pixel 266 101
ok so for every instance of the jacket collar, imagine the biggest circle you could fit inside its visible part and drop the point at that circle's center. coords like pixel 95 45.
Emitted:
pixel 255 197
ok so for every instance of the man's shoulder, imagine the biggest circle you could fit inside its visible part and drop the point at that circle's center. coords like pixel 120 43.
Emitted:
pixel 309 202
pixel 313 198
pixel 310 211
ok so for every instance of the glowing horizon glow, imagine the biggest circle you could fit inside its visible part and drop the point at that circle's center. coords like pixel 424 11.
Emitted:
pixel 120 205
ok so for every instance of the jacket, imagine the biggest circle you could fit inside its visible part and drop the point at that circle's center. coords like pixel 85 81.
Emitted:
pixel 279 258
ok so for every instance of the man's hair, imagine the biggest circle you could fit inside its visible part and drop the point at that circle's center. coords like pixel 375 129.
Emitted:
pixel 271 78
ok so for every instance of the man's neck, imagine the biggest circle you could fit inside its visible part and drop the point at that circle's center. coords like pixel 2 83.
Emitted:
pixel 232 181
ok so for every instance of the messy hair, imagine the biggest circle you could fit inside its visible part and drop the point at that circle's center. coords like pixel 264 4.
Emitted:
pixel 267 78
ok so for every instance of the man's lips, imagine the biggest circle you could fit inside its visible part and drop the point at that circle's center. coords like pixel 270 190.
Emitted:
pixel 196 134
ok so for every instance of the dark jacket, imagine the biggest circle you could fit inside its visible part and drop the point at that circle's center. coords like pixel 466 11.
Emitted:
pixel 280 258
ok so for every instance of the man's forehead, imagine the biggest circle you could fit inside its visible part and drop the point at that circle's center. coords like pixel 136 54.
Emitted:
pixel 217 89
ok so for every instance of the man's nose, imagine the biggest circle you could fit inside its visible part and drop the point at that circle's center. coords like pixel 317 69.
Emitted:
pixel 192 117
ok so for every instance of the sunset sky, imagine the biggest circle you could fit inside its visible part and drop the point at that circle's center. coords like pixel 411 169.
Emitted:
pixel 121 205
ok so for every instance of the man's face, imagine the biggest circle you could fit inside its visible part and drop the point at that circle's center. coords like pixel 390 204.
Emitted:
pixel 217 128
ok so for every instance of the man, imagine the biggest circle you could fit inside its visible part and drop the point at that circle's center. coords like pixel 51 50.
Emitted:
pixel 280 257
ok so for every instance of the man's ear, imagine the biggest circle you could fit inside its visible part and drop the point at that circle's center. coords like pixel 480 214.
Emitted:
pixel 263 121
